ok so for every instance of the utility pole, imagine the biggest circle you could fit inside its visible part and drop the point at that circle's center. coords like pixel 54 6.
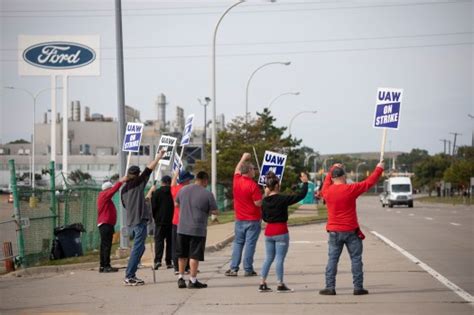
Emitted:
pixel 472 139
pixel 444 141
pixel 204 137
pixel 449 147
pixel 454 143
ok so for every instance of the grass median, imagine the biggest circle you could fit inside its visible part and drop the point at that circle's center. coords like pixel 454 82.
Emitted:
pixel 455 200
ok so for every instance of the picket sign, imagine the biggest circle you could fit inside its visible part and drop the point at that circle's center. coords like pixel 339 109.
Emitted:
pixel 132 139
pixel 168 144
pixel 274 162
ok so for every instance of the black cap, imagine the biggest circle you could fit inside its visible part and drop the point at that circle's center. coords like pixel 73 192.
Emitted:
pixel 133 170
pixel 337 172
pixel 166 180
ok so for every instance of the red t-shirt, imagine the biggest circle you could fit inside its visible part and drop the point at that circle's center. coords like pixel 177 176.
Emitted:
pixel 246 192
pixel 341 201
pixel 174 193
pixel 106 212
pixel 277 228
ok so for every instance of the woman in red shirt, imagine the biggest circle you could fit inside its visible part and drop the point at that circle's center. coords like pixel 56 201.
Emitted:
pixel 277 240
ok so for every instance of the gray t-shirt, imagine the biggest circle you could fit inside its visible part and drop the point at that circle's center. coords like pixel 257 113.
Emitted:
pixel 195 204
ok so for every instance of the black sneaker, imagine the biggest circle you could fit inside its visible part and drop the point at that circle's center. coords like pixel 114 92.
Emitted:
pixel 196 285
pixel 109 269
pixel 250 274
pixel 360 292
pixel 181 283
pixel 231 273
pixel 327 292
pixel 282 288
pixel 133 281
pixel 157 265
pixel 264 288
pixel 101 269
pixel 169 266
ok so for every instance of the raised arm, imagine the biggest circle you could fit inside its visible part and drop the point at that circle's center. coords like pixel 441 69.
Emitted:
pixel 158 157
pixel 359 188
pixel 328 179
pixel 246 156
pixel 174 180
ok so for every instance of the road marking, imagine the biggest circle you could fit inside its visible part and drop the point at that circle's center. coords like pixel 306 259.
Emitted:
pixel 428 218
pixel 388 210
pixel 411 214
pixel 463 294
pixel 397 211
pixel 455 224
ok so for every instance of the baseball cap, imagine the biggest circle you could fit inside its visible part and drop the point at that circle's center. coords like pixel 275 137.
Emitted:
pixel 184 176
pixel 338 172
pixel 106 185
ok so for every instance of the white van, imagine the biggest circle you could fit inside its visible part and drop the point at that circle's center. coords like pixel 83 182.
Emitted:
pixel 397 191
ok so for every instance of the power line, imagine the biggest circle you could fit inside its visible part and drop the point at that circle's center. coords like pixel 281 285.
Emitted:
pixel 270 10
pixel 286 52
pixel 282 42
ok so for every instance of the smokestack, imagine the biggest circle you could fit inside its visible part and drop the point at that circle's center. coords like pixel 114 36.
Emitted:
pixel 161 107
pixel 76 111
pixel 45 118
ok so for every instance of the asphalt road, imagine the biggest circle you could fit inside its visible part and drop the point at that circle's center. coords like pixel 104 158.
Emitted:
pixel 441 236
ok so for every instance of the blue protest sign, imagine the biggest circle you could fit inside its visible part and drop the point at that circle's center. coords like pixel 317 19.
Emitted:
pixel 177 164
pixel 133 137
pixel 274 162
pixel 188 128
pixel 387 108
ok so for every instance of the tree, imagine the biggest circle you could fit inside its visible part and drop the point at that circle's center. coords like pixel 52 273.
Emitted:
pixel 78 177
pixel 462 169
pixel 430 171
pixel 410 160
pixel 19 141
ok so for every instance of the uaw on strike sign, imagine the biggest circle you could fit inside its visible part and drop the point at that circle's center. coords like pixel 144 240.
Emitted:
pixel 274 162
pixel 167 143
pixel 133 137
pixel 387 108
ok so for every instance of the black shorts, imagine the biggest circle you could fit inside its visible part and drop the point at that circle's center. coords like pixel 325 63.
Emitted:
pixel 188 246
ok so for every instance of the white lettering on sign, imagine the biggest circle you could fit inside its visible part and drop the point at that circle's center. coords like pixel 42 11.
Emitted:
pixel 386 119
pixel 50 54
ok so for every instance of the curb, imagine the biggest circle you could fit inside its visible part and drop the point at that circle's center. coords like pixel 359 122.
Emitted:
pixel 220 245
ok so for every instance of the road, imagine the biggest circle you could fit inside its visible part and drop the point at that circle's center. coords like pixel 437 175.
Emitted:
pixel 439 235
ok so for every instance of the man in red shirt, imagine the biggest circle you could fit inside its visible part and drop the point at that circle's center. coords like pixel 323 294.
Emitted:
pixel 343 227
pixel 106 219
pixel 248 216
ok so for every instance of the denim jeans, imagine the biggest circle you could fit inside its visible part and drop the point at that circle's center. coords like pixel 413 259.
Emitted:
pixel 246 235
pixel 139 237
pixel 275 247
pixel 336 243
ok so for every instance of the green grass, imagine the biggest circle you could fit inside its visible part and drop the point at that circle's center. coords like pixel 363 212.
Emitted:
pixel 456 200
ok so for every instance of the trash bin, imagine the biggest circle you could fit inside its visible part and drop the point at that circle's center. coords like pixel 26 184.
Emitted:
pixel 68 238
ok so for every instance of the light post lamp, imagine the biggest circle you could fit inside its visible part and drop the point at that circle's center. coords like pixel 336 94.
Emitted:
pixel 297 114
pixel 34 97
pixel 283 94
pixel 357 170
pixel 204 134
pixel 284 63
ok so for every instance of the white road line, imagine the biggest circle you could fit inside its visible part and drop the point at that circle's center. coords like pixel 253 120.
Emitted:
pixel 455 224
pixel 428 218
pixel 463 294
pixel 399 212
pixel 411 214
pixel 388 210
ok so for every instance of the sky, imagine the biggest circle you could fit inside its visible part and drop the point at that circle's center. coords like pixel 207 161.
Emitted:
pixel 341 52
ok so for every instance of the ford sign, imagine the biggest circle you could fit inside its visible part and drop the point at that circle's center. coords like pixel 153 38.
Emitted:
pixel 59 55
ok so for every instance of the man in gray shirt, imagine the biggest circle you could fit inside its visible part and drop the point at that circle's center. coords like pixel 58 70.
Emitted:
pixel 196 204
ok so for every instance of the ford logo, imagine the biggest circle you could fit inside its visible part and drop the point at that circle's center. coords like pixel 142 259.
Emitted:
pixel 59 55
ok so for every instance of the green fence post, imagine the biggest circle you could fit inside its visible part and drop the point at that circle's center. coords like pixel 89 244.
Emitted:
pixel 52 186
pixel 16 207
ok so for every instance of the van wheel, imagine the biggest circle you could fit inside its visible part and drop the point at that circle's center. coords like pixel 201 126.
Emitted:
pixel 410 204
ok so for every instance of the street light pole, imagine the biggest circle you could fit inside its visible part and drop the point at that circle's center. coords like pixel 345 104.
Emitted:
pixel 285 63
pixel 297 114
pixel 283 94
pixel 34 97
pixel 472 139
pixel 357 170
pixel 214 106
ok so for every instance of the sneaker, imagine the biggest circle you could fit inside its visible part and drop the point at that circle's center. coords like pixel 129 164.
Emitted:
pixel 157 265
pixel 282 288
pixel 196 285
pixel 101 269
pixel 264 288
pixel 328 292
pixel 169 266
pixel 133 281
pixel 231 273
pixel 140 266
pixel 181 283
pixel 360 292
pixel 176 272
pixel 109 269
pixel 250 274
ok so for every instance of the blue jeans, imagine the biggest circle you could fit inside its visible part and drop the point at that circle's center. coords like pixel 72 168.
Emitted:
pixel 336 243
pixel 139 237
pixel 275 247
pixel 246 234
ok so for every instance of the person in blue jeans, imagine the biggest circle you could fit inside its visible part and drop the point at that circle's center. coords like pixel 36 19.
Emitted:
pixel 248 216
pixel 138 215
pixel 277 239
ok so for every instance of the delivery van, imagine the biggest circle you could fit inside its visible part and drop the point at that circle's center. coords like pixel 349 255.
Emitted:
pixel 397 191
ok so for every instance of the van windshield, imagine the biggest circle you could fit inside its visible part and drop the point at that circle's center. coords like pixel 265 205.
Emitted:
pixel 401 188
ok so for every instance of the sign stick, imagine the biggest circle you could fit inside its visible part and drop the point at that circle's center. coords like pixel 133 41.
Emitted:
pixel 384 138
pixel 256 158
pixel 128 161
pixel 157 172
pixel 152 245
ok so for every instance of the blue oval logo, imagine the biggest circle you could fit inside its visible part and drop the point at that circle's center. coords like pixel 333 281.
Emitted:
pixel 59 55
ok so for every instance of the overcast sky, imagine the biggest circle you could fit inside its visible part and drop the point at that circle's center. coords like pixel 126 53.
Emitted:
pixel 340 53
